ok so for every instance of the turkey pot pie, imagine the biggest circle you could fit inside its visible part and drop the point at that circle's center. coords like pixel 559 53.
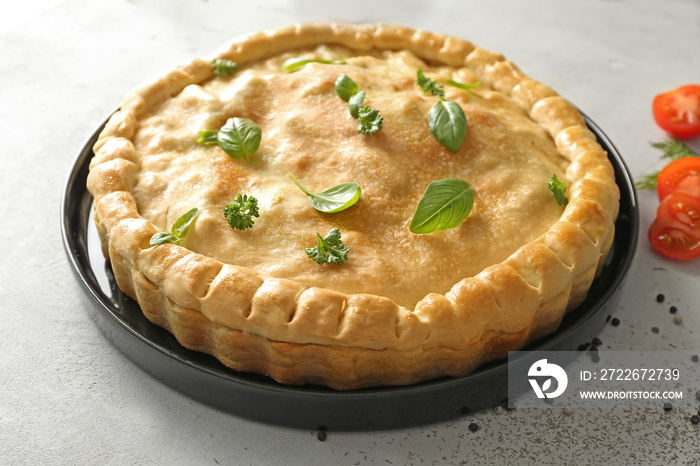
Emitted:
pixel 403 307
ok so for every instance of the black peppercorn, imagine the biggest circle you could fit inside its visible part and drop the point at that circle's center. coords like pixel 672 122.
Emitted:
pixel 615 322
pixel 668 406
pixel 695 358
pixel 673 309
pixel 596 342
pixel 473 427
pixel 694 418
pixel 660 298
pixel 321 435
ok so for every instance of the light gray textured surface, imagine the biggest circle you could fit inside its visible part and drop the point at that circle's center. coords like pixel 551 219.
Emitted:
pixel 68 397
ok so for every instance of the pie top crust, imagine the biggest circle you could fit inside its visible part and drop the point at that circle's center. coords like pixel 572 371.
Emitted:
pixel 404 307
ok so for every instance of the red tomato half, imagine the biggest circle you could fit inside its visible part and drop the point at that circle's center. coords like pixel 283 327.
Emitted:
pixel 680 176
pixel 678 111
pixel 676 231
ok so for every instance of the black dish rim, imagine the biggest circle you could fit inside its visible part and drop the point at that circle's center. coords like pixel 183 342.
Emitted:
pixel 144 349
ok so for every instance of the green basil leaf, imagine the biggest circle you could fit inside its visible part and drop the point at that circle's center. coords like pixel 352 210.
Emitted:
pixel 448 124
pixel 345 87
pixel 355 103
pixel 183 223
pixel 466 87
pixel 333 199
pixel 162 238
pixel 294 64
pixel 178 231
pixel 239 137
pixel 444 205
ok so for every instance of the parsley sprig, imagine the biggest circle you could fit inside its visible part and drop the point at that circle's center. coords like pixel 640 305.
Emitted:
pixel 224 67
pixel 558 189
pixel 329 250
pixel 369 121
pixel 671 149
pixel 428 85
pixel 239 214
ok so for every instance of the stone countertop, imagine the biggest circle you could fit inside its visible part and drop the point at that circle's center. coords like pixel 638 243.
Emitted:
pixel 70 397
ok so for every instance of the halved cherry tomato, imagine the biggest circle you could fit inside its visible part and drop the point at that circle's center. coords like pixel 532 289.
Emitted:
pixel 676 231
pixel 678 111
pixel 680 176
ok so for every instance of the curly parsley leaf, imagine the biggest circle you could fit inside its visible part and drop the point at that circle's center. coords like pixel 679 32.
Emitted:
pixel 444 205
pixel 333 199
pixel 428 85
pixel 369 121
pixel 558 189
pixel 224 67
pixel 329 250
pixel 239 214
pixel 239 137
pixel 671 149
pixel 448 123
pixel 178 230
pixel 293 64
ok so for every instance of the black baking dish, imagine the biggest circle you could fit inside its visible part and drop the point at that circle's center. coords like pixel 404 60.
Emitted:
pixel 205 379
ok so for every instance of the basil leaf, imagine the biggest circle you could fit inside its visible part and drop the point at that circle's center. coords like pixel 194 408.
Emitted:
pixel 448 124
pixel 178 231
pixel 333 199
pixel 239 137
pixel 444 205
pixel 459 85
pixel 183 223
pixel 162 238
pixel 294 64
pixel 355 103
pixel 345 87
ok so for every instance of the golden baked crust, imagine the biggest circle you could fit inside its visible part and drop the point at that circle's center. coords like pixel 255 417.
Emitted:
pixel 404 307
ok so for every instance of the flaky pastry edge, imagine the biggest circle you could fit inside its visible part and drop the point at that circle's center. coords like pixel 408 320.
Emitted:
pixel 297 334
